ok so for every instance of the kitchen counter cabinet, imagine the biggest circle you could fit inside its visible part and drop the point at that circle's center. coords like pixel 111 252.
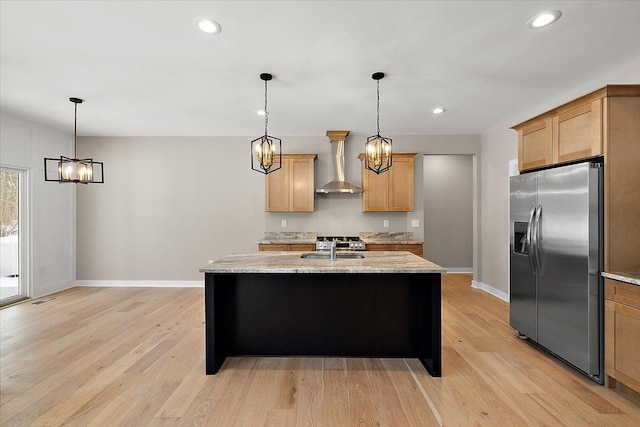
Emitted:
pixel 390 191
pixel 414 248
pixel 275 247
pixel 622 330
pixel 291 188
pixel 277 304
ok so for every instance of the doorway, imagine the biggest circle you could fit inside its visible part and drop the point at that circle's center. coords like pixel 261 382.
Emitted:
pixel 13 232
pixel 449 211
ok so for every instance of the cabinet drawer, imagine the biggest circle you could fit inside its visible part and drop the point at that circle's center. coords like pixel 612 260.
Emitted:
pixel 622 293
pixel 270 247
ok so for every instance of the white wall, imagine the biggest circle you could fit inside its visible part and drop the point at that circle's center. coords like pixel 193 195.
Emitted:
pixel 52 206
pixel 170 204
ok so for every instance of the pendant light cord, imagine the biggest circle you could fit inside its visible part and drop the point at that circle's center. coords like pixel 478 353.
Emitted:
pixel 75 131
pixel 266 114
pixel 378 91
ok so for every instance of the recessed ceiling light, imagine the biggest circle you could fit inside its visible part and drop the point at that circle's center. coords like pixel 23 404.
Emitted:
pixel 438 110
pixel 543 19
pixel 260 112
pixel 208 25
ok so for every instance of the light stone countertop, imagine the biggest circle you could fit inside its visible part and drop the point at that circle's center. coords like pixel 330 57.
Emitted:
pixel 288 237
pixel 291 262
pixel 627 277
pixel 389 238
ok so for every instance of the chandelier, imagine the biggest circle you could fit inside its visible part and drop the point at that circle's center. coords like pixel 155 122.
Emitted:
pixel 266 151
pixel 66 169
pixel 378 151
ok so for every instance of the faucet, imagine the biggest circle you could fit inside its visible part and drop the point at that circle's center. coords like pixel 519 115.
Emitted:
pixel 333 250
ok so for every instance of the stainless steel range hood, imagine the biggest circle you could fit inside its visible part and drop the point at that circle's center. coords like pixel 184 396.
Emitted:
pixel 339 184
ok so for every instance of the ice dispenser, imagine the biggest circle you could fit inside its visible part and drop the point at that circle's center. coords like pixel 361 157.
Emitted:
pixel 520 238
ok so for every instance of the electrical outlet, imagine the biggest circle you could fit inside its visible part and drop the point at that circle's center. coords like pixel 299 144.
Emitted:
pixel 415 223
pixel 385 223
pixel 284 223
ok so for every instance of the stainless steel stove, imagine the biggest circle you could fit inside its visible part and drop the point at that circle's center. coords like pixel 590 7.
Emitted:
pixel 343 243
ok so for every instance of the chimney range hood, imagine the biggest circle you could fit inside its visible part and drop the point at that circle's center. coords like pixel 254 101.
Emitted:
pixel 339 184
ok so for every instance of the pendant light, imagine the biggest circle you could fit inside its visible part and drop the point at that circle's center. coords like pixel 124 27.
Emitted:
pixel 83 171
pixel 266 151
pixel 378 151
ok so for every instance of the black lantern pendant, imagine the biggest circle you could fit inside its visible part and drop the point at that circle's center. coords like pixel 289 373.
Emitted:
pixel 266 151
pixel 378 150
pixel 65 169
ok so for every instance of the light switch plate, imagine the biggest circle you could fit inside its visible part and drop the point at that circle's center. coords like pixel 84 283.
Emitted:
pixel 284 223
pixel 385 223
pixel 415 223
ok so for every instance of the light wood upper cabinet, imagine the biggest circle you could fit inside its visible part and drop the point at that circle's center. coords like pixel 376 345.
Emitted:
pixel 535 144
pixel 390 191
pixel 291 188
pixel 560 137
pixel 577 133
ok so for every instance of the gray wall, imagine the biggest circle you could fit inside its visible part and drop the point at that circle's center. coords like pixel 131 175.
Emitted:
pixel 170 204
pixel 448 210
pixel 52 206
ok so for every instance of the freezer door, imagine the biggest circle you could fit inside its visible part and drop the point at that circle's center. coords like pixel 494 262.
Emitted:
pixel 522 279
pixel 565 320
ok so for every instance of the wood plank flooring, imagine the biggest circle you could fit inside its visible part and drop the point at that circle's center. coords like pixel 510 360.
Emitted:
pixel 134 357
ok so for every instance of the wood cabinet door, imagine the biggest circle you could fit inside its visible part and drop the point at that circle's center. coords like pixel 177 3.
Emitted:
pixel 271 247
pixel 622 329
pixel 302 185
pixel 535 145
pixel 577 133
pixel 277 189
pixel 401 184
pixel 375 191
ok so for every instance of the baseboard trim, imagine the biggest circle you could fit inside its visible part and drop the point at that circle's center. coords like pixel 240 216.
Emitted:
pixel 52 288
pixel 490 290
pixel 142 283
pixel 459 270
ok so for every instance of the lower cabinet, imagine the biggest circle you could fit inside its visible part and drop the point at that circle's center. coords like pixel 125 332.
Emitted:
pixel 622 332
pixel 303 247
pixel 413 248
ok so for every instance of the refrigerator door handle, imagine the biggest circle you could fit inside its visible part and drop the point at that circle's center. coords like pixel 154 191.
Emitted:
pixel 530 239
pixel 536 238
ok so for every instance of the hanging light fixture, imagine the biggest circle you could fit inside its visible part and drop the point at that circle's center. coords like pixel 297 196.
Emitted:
pixel 378 151
pixel 83 171
pixel 266 151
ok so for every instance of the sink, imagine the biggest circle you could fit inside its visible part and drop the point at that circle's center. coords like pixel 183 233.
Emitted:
pixel 327 255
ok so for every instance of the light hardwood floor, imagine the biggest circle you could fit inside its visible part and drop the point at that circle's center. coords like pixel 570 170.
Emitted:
pixel 134 357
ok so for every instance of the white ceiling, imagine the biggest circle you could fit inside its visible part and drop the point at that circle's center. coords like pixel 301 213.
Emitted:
pixel 144 69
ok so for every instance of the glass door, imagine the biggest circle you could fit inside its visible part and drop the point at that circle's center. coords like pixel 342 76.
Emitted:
pixel 13 250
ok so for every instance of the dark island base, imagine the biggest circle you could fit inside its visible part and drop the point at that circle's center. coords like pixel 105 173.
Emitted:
pixel 329 315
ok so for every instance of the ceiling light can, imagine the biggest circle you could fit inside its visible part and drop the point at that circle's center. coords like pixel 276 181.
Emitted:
pixel 438 110
pixel 207 25
pixel 543 19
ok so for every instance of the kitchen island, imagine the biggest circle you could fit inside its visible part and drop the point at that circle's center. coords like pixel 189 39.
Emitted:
pixel 385 304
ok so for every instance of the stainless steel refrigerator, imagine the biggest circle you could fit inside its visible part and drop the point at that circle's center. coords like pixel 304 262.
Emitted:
pixel 556 257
